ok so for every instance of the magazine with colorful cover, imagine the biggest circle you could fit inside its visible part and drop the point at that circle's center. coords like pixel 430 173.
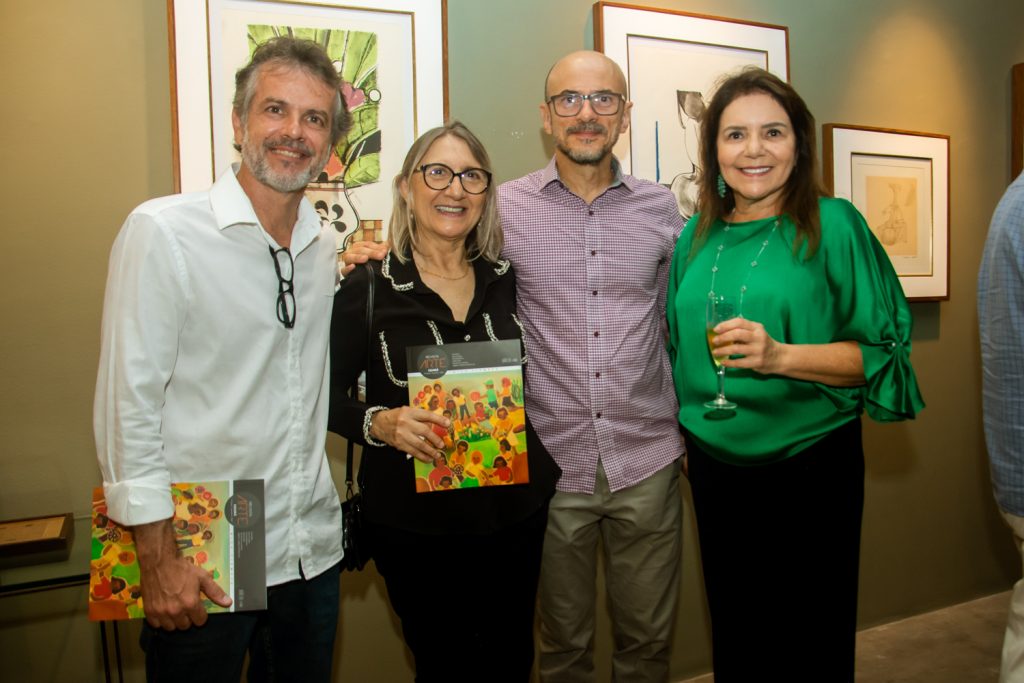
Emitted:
pixel 479 387
pixel 218 525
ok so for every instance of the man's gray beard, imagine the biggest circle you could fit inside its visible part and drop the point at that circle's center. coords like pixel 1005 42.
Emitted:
pixel 590 157
pixel 255 159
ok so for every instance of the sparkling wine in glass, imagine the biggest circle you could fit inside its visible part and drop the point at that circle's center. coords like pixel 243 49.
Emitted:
pixel 719 309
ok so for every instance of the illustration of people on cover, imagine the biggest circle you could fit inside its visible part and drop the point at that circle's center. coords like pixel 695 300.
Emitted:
pixel 482 446
pixel 439 391
pixel 460 428
pixel 476 472
pixel 457 462
pixel 492 395
pixel 504 428
pixel 114 591
pixel 502 472
pixel 505 393
pixel 460 402
pixel 441 472
pixel 480 414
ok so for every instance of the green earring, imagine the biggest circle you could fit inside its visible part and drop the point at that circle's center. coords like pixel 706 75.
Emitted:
pixel 720 186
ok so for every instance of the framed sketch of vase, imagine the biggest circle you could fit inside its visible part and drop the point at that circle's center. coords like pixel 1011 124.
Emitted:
pixel 899 180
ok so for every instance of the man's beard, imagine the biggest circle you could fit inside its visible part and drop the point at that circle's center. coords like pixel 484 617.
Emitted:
pixel 255 159
pixel 588 157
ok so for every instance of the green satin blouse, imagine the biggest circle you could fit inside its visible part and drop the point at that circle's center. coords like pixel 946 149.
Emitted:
pixel 847 291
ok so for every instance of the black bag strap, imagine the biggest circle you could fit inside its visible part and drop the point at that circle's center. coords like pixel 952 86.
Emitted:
pixel 371 276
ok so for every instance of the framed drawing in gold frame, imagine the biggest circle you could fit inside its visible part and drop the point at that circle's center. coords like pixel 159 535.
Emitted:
pixel 899 180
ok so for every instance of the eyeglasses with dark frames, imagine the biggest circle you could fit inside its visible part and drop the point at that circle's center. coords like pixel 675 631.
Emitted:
pixel 441 176
pixel 603 103
pixel 285 267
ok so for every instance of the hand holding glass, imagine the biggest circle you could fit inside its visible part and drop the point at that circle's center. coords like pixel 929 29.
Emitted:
pixel 719 309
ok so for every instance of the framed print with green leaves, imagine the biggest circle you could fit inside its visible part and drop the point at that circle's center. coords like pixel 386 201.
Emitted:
pixel 390 55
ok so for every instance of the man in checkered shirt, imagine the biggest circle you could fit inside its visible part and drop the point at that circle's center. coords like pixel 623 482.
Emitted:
pixel 591 247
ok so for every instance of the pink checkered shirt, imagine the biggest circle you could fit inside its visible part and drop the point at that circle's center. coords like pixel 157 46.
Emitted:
pixel 591 296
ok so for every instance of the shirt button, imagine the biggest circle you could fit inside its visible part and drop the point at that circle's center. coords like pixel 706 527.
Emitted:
pixel 597 334
pixel 594 293
pixel 467 337
pixel 597 415
pixel 590 212
pixel 593 252
pixel 597 374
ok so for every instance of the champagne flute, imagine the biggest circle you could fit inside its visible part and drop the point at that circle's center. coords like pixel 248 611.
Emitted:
pixel 719 309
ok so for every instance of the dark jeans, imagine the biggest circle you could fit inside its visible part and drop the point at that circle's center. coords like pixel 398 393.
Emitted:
pixel 466 601
pixel 780 549
pixel 292 640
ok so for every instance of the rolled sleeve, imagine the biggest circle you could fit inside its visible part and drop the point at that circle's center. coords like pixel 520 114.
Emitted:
pixel 138 502
pixel 143 309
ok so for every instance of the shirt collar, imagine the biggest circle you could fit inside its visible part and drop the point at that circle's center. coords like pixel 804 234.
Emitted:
pixel 550 175
pixel 231 206
pixel 405 276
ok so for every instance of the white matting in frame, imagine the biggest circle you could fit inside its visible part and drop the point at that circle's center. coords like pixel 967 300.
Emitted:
pixel 894 194
pixel 211 40
pixel 899 181
pixel 673 61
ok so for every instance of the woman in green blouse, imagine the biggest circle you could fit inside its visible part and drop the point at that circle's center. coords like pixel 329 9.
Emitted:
pixel 822 334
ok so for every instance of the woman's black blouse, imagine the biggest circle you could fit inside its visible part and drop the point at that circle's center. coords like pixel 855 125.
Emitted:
pixel 404 309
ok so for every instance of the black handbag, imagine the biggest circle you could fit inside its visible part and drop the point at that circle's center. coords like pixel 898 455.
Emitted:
pixel 355 539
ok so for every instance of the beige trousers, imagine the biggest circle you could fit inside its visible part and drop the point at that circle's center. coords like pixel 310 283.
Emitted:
pixel 1012 670
pixel 640 530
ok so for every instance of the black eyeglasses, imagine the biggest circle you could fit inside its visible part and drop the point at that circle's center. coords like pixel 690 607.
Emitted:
pixel 285 267
pixel 440 177
pixel 571 103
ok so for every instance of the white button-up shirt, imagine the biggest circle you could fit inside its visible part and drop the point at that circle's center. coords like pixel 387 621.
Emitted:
pixel 199 381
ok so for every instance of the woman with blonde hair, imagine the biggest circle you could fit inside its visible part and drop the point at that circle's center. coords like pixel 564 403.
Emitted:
pixel 442 282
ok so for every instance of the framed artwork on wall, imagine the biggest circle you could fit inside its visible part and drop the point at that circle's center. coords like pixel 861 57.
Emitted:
pixel 391 55
pixel 1017 120
pixel 672 61
pixel 899 180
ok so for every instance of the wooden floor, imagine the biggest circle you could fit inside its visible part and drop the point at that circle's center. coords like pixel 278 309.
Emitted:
pixel 958 644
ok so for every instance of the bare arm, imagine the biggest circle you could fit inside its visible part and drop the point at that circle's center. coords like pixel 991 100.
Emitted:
pixel 170 584
pixel 839 364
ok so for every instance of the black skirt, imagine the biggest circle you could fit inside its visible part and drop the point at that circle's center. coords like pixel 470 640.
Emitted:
pixel 780 549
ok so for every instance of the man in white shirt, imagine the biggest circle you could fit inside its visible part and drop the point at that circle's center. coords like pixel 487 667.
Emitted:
pixel 213 366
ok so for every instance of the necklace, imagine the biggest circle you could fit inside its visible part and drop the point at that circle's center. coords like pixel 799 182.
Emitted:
pixel 443 277
pixel 753 263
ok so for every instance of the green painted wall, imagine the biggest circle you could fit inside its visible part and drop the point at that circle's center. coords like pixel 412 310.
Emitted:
pixel 85 129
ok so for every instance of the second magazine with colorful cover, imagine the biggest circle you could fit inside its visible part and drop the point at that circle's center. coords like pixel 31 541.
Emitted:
pixel 218 525
pixel 478 386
